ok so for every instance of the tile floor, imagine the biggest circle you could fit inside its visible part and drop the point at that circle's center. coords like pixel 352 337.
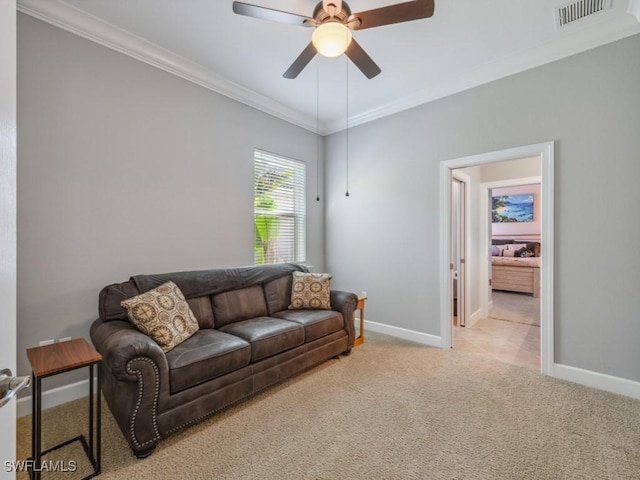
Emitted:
pixel 507 341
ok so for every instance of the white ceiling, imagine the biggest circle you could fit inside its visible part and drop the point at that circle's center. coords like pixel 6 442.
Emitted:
pixel 465 43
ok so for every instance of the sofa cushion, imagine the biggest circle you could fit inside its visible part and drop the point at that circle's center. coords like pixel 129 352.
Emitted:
pixel 267 335
pixel 163 314
pixel 316 323
pixel 238 305
pixel 206 355
pixel 111 296
pixel 310 290
pixel 278 293
pixel 201 308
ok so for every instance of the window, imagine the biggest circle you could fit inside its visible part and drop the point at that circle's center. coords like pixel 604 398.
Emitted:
pixel 279 209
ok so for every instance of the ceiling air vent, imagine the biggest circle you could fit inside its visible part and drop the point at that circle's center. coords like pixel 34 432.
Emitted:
pixel 580 9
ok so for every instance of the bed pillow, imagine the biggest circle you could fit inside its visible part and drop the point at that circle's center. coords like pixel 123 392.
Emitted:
pixel 499 248
pixel 535 248
pixel 163 314
pixel 516 246
pixel 525 252
pixel 310 290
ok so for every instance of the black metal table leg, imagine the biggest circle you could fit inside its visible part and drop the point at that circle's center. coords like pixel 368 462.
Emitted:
pixel 99 427
pixel 91 451
pixel 36 428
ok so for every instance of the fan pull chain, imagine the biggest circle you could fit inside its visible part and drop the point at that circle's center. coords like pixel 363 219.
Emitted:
pixel 317 131
pixel 347 125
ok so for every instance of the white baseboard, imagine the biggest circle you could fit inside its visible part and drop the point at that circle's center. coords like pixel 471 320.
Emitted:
pixel 601 381
pixel 475 316
pixel 55 396
pixel 419 337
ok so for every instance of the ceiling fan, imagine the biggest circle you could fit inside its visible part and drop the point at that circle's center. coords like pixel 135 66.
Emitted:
pixel 333 23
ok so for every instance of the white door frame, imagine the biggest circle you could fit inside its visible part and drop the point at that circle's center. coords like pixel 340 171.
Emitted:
pixel 8 162
pixel 546 153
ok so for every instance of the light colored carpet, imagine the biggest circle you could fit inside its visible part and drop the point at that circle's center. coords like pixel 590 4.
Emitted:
pixel 515 307
pixel 391 410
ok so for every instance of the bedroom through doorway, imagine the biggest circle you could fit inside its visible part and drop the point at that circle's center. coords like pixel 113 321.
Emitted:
pixel 508 329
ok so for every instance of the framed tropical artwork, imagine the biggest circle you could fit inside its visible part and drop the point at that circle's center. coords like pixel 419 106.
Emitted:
pixel 512 208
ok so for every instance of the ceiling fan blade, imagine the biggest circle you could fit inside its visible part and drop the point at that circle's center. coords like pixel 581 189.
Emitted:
pixel 269 14
pixel 361 60
pixel 303 59
pixel 400 12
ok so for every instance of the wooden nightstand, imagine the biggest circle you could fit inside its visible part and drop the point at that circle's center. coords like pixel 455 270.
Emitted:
pixel 360 306
pixel 57 358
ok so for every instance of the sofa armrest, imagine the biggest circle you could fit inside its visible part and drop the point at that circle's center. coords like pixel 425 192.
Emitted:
pixel 119 343
pixel 135 381
pixel 346 303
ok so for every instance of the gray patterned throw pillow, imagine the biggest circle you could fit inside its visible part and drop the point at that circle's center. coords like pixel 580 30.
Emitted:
pixel 310 290
pixel 163 314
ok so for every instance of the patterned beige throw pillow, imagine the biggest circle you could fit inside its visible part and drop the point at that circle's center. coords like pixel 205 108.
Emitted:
pixel 310 290
pixel 163 314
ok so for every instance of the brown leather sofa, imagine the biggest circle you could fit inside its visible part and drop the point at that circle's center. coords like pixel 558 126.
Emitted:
pixel 247 340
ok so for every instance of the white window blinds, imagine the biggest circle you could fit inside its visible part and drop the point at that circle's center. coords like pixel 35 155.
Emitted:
pixel 279 209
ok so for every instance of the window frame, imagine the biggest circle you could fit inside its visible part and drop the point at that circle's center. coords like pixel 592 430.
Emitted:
pixel 294 249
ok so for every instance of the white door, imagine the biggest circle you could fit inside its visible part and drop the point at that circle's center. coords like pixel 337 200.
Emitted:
pixel 458 249
pixel 8 224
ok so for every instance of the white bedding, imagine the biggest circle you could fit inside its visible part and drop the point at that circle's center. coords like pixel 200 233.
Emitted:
pixel 516 261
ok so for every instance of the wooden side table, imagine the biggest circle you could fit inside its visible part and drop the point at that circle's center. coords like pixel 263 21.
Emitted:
pixel 50 360
pixel 360 306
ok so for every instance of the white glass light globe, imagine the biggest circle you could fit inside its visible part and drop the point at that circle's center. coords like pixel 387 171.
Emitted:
pixel 331 39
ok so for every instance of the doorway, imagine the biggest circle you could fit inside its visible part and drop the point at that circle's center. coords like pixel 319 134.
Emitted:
pixel 477 260
pixel 506 324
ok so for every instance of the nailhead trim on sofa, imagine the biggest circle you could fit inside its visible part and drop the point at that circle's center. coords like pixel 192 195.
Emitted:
pixel 138 374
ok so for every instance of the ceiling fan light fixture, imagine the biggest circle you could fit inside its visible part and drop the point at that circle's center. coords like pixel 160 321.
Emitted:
pixel 331 39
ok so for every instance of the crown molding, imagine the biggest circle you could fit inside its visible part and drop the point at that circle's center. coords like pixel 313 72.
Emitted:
pixel 71 19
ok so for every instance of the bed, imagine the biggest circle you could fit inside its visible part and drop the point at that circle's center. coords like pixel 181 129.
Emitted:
pixel 515 266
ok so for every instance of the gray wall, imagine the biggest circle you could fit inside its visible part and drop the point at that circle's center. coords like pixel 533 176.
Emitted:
pixel 125 169
pixel 384 238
